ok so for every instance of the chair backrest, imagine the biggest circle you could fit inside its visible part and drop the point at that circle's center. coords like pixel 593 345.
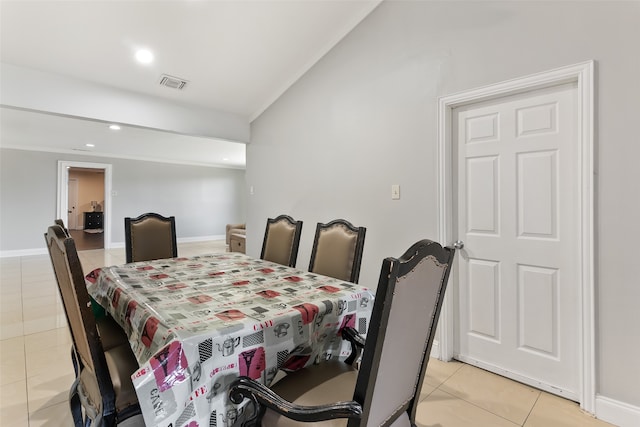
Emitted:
pixel 337 250
pixel 77 307
pixel 402 327
pixel 281 240
pixel 150 236
pixel 61 224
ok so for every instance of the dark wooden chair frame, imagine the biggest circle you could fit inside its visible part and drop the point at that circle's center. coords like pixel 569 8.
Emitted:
pixel 128 238
pixel 75 297
pixel 357 411
pixel 357 257
pixel 293 257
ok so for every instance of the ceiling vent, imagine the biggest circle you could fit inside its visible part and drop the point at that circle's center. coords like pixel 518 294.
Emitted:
pixel 172 82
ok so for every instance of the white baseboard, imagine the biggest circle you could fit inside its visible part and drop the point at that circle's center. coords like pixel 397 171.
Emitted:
pixel 201 238
pixel 116 245
pixel 435 349
pixel 23 252
pixel 617 413
pixel 180 240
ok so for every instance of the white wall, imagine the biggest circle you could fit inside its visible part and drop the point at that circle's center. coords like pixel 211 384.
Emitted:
pixel 365 118
pixel 203 199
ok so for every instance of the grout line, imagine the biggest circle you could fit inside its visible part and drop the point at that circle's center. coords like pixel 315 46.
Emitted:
pixel 479 407
pixel 531 410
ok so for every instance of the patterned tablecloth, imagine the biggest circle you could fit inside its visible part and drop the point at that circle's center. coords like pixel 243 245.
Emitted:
pixel 197 323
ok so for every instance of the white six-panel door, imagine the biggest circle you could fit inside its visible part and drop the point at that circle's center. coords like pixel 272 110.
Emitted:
pixel 517 210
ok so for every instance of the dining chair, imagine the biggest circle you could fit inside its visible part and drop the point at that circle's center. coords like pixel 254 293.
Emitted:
pixel 111 334
pixel 102 393
pixel 337 250
pixel 150 236
pixel 385 390
pixel 281 240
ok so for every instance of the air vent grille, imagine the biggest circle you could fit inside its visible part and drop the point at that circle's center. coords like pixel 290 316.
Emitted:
pixel 172 82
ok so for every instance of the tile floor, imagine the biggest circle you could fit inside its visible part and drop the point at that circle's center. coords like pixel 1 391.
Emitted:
pixel 36 371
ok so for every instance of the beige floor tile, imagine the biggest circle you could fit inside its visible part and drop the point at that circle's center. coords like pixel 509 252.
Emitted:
pixel 12 356
pixel 498 395
pixel 9 265
pixel 37 272
pixel 10 284
pixel 555 411
pixel 37 277
pixel 427 389
pixel 48 389
pixel 11 314
pixel 49 363
pixel 48 300
pixel 43 288
pixel 14 410
pixel 438 371
pixel 11 324
pixel 441 409
pixel 47 339
pixel 91 260
pixel 52 416
pixel 47 320
pixel 11 301
pixel 33 262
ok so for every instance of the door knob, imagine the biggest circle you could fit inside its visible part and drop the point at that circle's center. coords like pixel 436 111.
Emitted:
pixel 459 244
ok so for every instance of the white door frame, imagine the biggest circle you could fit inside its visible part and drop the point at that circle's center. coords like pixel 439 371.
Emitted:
pixel 72 225
pixel 63 192
pixel 583 75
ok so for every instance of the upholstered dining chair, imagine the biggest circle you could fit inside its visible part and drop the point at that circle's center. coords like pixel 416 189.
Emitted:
pixel 281 240
pixel 150 236
pixel 385 390
pixel 102 394
pixel 337 250
pixel 111 334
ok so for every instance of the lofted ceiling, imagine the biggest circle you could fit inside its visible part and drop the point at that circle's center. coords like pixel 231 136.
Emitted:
pixel 237 56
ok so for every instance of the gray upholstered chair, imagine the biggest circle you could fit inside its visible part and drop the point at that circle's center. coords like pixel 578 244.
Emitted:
pixel 102 393
pixel 386 389
pixel 150 236
pixel 337 250
pixel 281 240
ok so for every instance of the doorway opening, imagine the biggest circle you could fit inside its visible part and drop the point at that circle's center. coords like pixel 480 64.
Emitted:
pixel 84 202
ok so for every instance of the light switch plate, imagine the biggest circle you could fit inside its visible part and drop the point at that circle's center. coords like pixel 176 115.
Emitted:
pixel 395 192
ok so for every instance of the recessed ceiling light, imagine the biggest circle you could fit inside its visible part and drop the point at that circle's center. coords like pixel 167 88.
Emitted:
pixel 144 56
pixel 114 127
pixel 90 145
pixel 225 159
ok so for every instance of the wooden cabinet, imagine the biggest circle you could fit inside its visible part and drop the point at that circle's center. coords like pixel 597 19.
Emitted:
pixel 92 220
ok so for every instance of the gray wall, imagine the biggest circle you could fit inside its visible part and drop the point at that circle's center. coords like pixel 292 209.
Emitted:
pixel 365 118
pixel 202 199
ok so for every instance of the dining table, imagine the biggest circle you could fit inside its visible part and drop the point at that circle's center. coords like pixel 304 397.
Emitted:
pixel 196 323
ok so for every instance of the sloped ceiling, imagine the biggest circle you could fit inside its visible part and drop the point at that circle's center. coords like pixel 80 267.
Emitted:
pixel 237 56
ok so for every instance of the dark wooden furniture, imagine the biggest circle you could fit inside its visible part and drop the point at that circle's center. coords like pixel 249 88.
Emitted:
pixel 93 220
pixel 385 390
